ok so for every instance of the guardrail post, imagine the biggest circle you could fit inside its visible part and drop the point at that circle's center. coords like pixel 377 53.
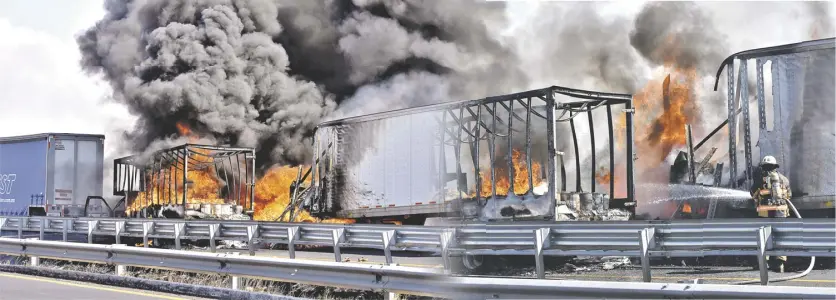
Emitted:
pixel 236 281
pixel 120 227
pixel 2 223
pixel 390 296
pixel 445 240
pixel 178 233
pixel 337 236
pixel 147 228
pixel 121 270
pixel 91 226
pixel 33 260
pixel 647 241
pixel 41 226
pixel 764 244
pixel 252 234
pixel 213 233
pixel 292 233
pixel 541 242
pixel 388 238
pixel 65 230
pixel 20 223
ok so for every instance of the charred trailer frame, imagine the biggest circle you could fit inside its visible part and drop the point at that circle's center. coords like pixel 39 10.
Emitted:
pixel 790 128
pixel 134 178
pixel 418 161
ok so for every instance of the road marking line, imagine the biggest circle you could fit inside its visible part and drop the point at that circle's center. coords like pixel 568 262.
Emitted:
pixel 682 277
pixel 50 280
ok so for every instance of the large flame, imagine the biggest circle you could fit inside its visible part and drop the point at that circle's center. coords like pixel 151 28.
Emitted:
pixel 272 196
pixel 164 187
pixel 272 193
pixel 520 166
pixel 662 109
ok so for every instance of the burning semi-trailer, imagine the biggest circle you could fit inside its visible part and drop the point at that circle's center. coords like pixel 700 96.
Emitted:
pixel 793 121
pixel 492 159
pixel 195 181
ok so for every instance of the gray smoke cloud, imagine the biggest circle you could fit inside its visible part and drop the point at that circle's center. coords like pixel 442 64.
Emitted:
pixel 264 73
pixel 579 45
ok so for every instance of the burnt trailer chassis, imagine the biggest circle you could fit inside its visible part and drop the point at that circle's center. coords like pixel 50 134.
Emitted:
pixel 813 188
pixel 169 169
pixel 459 128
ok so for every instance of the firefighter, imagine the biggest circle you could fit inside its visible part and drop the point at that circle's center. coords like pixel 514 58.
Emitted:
pixel 771 189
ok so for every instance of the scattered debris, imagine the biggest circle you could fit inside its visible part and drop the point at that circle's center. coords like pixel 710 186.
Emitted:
pixel 616 215
pixel 612 262
pixel 226 244
pixel 568 267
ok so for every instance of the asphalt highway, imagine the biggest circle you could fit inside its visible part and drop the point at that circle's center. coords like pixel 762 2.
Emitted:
pixel 23 287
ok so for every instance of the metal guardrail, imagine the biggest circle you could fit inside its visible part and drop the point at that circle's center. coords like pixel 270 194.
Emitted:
pixel 385 237
pixel 391 279
pixel 681 238
pixel 505 288
pixel 690 238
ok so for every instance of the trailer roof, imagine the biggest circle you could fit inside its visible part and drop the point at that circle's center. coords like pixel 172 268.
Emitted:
pixel 589 96
pixel 174 152
pixel 805 46
pixel 39 136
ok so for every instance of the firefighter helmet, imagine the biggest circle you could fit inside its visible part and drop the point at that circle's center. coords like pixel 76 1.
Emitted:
pixel 769 160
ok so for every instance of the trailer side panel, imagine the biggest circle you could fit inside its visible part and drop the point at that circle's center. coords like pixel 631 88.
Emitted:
pixel 22 175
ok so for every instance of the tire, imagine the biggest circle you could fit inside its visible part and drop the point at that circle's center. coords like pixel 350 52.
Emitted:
pixel 471 264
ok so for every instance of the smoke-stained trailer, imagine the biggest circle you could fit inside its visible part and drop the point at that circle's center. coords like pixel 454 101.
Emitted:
pixel 479 159
pixel 794 121
pixel 149 184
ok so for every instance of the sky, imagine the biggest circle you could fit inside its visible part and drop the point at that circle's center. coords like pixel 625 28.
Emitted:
pixel 42 86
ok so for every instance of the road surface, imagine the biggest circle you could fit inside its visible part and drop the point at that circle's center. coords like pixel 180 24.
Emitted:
pixel 23 287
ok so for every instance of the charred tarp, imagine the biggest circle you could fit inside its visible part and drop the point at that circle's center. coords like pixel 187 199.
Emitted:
pixel 428 160
pixel 797 128
pixel 162 179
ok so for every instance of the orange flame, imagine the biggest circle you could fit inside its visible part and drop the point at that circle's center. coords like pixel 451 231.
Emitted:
pixel 662 109
pixel 272 196
pixel 602 176
pixel 184 130
pixel 272 193
pixel 165 187
pixel 520 177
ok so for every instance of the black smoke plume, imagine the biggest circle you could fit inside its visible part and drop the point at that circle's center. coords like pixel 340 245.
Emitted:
pixel 264 73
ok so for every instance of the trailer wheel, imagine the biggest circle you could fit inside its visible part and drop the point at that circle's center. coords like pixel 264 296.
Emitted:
pixel 473 263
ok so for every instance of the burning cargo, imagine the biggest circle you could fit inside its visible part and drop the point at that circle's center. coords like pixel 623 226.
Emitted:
pixel 193 181
pixel 497 158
